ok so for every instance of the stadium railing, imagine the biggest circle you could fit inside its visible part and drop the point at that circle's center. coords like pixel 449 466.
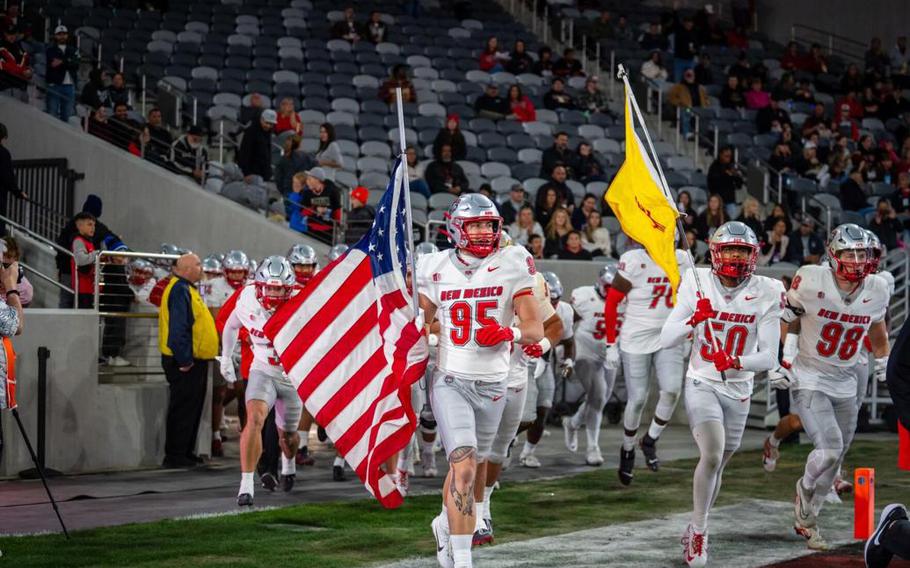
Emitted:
pixel 51 249
pixel 51 186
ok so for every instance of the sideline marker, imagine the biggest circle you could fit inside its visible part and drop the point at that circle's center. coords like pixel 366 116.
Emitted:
pixel 903 447
pixel 863 502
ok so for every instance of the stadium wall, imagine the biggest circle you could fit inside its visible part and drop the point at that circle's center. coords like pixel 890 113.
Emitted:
pixel 144 203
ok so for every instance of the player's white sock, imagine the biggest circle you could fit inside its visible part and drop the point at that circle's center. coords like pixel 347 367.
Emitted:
pixel 773 441
pixel 578 418
pixel 288 466
pixel 655 430
pixel 529 448
pixel 246 483
pixel 304 436
pixel 461 550
pixel 479 509
pixel 339 461
pixel 628 442
pixel 487 495
pixel 216 435
pixel 444 516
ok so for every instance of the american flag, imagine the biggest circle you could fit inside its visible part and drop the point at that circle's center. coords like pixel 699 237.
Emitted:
pixel 350 344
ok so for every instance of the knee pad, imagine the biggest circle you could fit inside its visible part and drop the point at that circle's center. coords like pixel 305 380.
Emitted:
pixel 666 403
pixel 822 460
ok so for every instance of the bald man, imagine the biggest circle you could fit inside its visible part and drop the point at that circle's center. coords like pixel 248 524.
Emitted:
pixel 188 341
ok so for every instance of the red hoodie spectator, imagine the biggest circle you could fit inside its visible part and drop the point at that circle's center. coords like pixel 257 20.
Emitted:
pixel 855 107
pixel 521 106
pixel 791 60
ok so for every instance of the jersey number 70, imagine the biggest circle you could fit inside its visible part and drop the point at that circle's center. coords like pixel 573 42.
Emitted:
pixel 462 318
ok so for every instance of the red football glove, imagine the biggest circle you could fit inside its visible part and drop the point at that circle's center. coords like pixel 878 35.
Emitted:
pixel 534 351
pixel 723 362
pixel 703 311
pixel 490 335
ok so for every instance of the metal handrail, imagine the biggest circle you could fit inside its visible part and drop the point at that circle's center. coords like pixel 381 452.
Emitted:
pixel 48 279
pixel 829 39
pixel 122 253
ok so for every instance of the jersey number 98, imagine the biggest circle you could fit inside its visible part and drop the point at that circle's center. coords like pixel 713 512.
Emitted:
pixel 834 340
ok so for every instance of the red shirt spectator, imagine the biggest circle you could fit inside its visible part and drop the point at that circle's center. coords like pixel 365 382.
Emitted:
pixel 287 118
pixel 854 107
pixel 521 106
pixel 491 60
pixel 791 60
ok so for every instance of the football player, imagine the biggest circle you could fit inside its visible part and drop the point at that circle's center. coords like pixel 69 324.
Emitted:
pixel 141 279
pixel 305 262
pixel 236 268
pixel 521 373
pixel 735 320
pixel 474 289
pixel 648 294
pixel 592 379
pixel 836 305
pixel 268 384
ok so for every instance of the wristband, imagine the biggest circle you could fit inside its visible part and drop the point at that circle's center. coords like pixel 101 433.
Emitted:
pixel 516 334
pixel 16 292
pixel 545 345
pixel 791 346
pixel 568 363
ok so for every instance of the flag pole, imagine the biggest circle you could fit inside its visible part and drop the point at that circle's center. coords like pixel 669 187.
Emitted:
pixel 665 187
pixel 403 172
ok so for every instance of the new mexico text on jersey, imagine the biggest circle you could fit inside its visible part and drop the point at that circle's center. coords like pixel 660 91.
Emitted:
pixel 469 296
pixel 832 328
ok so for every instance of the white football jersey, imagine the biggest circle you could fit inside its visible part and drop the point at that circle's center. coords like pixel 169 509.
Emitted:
pixel 254 317
pixel 591 332
pixel 142 291
pixel 832 328
pixel 519 362
pixel 741 312
pixel 468 294
pixel 648 303
pixel 215 292
pixel 889 281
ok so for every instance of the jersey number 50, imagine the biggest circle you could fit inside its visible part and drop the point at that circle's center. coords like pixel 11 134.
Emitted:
pixel 734 343
pixel 831 341
pixel 462 319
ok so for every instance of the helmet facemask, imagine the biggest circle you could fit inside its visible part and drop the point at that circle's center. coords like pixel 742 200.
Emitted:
pixel 236 277
pixel 851 265
pixel 735 260
pixel 273 294
pixel 303 273
pixel 478 241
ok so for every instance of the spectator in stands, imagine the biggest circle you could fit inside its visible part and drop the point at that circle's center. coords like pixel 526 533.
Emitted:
pixel 770 118
pixel 724 177
pixel 686 95
pixel 328 155
pixel 558 228
pixel 870 102
pixel 95 93
pixel 519 61
pixel 123 129
pixel 491 104
pixel 777 212
pixel 815 62
pixel 853 195
pixel 568 65
pixel 751 216
pixel 376 30
pixel 544 65
pixel 732 95
pixel 415 173
pixel 319 201
pixel 535 246
pixel 756 97
pixel 837 172
pixel 398 78
pixel 451 134
pixel 587 167
pixel 603 27
pixel 653 68
pixel 692 241
pixel 877 62
pixel 288 120
pixel 595 238
pixel 297 219
pixel 808 165
pixel 9 185
pixel 653 39
pixel 899 59
pixel 685 48
pixel 15 71
pixel 792 59
pixel 703 73
pixel 852 79
pixel 557 181
pixel 251 113
pixel 347 28
pixel 592 99
pixel 360 217
pixel 255 154
pixel 580 214
pixel 189 155
pixel 817 123
pixel 741 68
pixel 574 248
pixel 486 190
pixel 804 93
pixel 160 139
pixel 885 224
pixel 557 97
pixel 292 161
pixel 558 153
pixel 61 75
pixel 685 207
pixel 99 125
pixel 117 92
pixel 774 244
pixel 444 175
pixel 782 157
pixel 524 225
pixel 900 201
pixel 623 31
pixel 893 102
pixel 82 265
pixel 522 109
pixel 12 254
pixel 785 89
pixel 516 202
pixel 546 204
pixel 711 218
pixel 491 59
pixel 805 246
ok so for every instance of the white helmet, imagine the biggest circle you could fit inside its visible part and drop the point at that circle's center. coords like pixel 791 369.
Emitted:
pixel 728 235
pixel 211 266
pixel 140 271
pixel 337 251
pixel 171 249
pixel 554 285
pixel 876 252
pixel 605 277
pixel 275 274
pixel 505 240
pixel 473 208
pixel 425 248
pixel 237 268
pixel 847 238
pixel 305 262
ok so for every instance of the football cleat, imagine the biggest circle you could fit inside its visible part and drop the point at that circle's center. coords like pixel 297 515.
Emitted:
pixel 303 457
pixel 626 465
pixel 528 460
pixel 648 447
pixel 268 481
pixel 338 473
pixel 814 539
pixel 769 456
pixel 594 458
pixel 802 508
pixel 484 535
pixel 244 500
pixel 570 433
pixel 696 547
pixel 287 482
pixel 875 554
pixel 402 482
pixel 842 486
pixel 443 544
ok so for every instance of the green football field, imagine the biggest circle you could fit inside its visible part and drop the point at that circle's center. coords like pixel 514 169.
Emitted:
pixel 359 533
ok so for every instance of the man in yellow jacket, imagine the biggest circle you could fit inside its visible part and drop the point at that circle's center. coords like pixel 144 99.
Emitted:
pixel 188 341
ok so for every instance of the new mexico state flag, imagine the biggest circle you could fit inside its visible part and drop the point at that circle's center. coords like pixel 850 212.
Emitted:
pixel 645 213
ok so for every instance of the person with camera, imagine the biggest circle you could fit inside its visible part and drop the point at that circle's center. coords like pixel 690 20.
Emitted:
pixel 11 322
